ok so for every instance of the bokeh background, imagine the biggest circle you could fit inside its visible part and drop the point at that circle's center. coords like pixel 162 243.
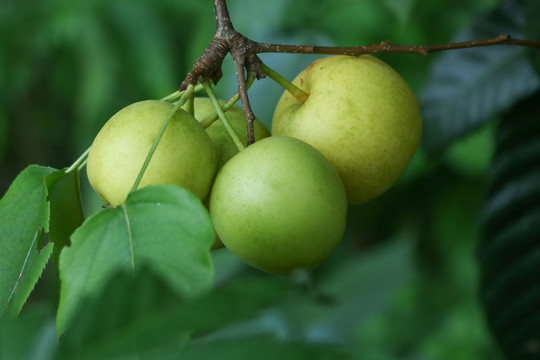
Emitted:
pixel 404 282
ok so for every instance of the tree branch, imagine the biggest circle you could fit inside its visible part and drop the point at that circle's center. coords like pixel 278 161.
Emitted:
pixel 242 90
pixel 223 20
pixel 388 47
pixel 244 52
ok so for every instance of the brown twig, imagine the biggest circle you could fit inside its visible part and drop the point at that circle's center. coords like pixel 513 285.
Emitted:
pixel 388 47
pixel 244 52
pixel 223 20
pixel 242 91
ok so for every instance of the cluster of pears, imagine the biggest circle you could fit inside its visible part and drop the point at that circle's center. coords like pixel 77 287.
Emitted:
pixel 280 204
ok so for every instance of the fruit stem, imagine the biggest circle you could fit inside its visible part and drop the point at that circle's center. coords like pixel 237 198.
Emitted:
pixel 185 96
pixel 295 91
pixel 175 95
pixel 222 116
pixel 209 120
pixel 80 162
pixel 190 105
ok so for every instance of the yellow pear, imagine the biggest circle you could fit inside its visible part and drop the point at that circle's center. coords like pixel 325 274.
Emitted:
pixel 185 155
pixel 361 115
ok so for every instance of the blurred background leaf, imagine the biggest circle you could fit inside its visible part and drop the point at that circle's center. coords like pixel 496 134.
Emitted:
pixel 30 336
pixel 509 251
pixel 532 31
pixel 404 282
pixel 467 88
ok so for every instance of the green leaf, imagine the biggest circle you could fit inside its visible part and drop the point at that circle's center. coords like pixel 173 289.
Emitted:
pixel 130 315
pixel 136 314
pixel 24 214
pixel 353 294
pixel 515 171
pixel 509 252
pixel 163 227
pixel 468 87
pixel 242 298
pixel 533 31
pixel 66 209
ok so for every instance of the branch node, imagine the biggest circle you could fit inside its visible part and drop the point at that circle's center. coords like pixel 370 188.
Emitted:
pixel 208 65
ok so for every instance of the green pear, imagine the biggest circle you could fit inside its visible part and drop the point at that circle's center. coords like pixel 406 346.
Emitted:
pixel 224 145
pixel 361 115
pixel 279 205
pixel 185 155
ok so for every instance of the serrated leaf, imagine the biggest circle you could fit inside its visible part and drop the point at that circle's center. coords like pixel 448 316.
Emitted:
pixel 163 227
pixel 24 215
pixel 468 87
pixel 65 206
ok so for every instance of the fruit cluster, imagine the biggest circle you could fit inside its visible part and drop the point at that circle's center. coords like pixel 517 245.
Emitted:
pixel 280 204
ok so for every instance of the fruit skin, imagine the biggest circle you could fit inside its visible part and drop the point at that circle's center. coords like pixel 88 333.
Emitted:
pixel 224 145
pixel 361 115
pixel 279 205
pixel 185 155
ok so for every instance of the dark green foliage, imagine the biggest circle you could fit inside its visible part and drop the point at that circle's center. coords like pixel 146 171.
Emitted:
pixel 509 251
pixel 25 217
pixel 467 88
pixel 532 31
pixel 163 227
pixel 66 207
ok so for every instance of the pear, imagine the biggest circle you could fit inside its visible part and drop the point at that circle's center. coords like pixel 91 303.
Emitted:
pixel 279 205
pixel 361 115
pixel 185 155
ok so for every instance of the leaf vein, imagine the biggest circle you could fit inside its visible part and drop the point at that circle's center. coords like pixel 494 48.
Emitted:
pixel 130 237
pixel 21 273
